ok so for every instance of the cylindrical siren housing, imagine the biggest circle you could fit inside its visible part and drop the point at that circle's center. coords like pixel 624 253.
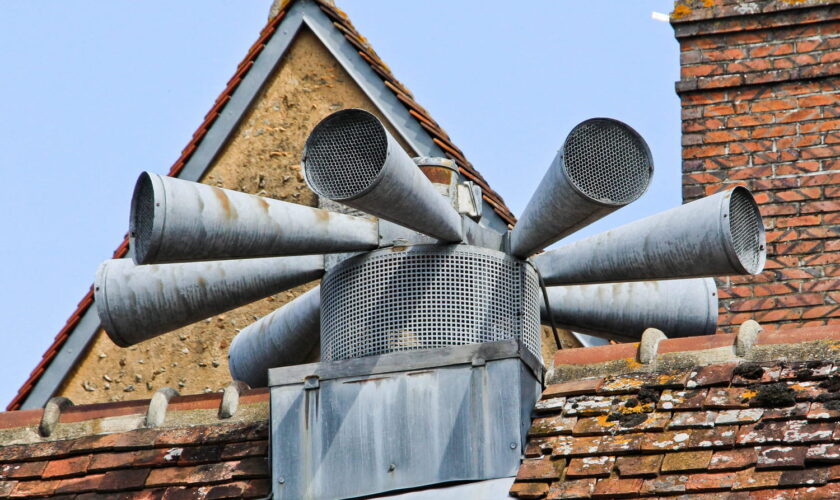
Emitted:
pixel 622 311
pixel 288 336
pixel 351 158
pixel 177 220
pixel 603 165
pixel 136 303
pixel 717 235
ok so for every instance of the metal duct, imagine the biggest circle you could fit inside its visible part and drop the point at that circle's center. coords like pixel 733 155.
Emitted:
pixel 350 157
pixel 718 235
pixel 680 308
pixel 136 303
pixel 288 336
pixel 176 220
pixel 603 165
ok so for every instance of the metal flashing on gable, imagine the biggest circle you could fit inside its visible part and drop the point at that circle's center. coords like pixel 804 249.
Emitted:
pixel 368 426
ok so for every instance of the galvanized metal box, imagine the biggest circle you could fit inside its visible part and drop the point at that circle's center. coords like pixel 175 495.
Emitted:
pixel 350 428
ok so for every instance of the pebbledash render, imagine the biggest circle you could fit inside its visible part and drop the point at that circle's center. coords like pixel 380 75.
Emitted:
pixel 748 413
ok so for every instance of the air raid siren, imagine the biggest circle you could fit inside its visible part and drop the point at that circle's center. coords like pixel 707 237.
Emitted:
pixel 421 272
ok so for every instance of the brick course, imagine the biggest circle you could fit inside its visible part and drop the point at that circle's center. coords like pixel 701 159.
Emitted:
pixel 760 98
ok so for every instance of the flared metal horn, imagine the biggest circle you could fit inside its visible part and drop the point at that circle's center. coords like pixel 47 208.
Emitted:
pixel 176 220
pixel 136 303
pixel 622 311
pixel 718 235
pixel 351 158
pixel 288 336
pixel 603 165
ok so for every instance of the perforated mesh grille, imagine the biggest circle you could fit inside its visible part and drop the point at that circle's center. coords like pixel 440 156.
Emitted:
pixel 142 216
pixel 344 154
pixel 607 161
pixel 425 297
pixel 531 297
pixel 746 228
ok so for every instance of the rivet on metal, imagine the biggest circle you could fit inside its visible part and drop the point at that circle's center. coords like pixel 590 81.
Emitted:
pixel 311 383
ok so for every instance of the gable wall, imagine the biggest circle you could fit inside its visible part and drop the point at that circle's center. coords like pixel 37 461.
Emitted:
pixel 262 157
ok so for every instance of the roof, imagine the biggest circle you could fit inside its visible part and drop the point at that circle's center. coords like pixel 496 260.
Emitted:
pixel 97 451
pixel 341 23
pixel 765 424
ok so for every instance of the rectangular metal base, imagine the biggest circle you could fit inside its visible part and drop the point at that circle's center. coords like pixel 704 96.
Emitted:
pixel 359 427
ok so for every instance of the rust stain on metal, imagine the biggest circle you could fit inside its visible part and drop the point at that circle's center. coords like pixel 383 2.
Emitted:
pixel 400 248
pixel 263 204
pixel 323 215
pixel 371 379
pixel 438 175
pixel 225 201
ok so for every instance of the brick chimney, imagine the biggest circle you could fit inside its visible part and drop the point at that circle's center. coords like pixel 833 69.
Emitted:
pixel 760 93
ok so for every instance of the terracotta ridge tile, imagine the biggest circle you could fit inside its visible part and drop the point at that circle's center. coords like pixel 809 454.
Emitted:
pixel 20 418
pixel 698 343
pixel 78 413
pixel 596 354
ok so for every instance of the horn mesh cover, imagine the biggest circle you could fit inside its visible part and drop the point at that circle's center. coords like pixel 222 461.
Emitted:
pixel 344 154
pixel 607 161
pixel 746 227
pixel 142 217
pixel 426 297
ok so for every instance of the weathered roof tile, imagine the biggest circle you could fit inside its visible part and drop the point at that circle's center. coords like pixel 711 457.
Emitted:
pixel 686 461
pixel 682 400
pixel 780 457
pixel 551 426
pixel 639 465
pixel 575 488
pixel 730 433
pixel 540 469
pixel 736 459
pixel 719 374
pixel 599 466
pixel 529 490
pixel 715 481
pixel 672 483
pixel 616 487
pixel 571 388
pixel 692 419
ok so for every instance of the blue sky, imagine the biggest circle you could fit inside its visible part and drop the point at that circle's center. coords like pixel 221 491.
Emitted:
pixel 95 92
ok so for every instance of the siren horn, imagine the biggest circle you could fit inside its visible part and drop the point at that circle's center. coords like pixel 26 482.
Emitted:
pixel 603 165
pixel 288 336
pixel 136 303
pixel 622 311
pixel 176 220
pixel 351 158
pixel 717 235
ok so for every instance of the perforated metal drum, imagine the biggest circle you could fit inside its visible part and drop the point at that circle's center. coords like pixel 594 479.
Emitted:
pixel 427 296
